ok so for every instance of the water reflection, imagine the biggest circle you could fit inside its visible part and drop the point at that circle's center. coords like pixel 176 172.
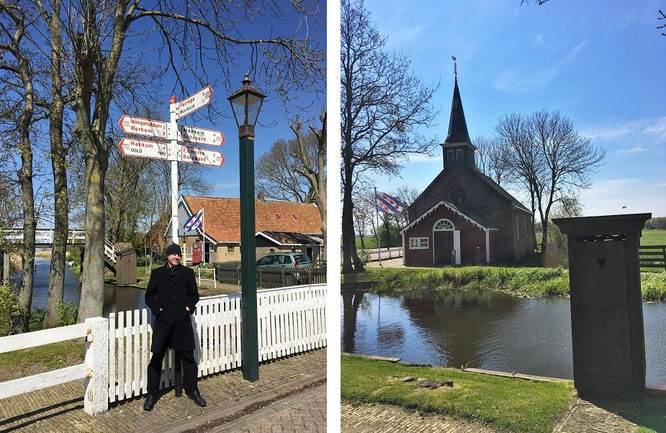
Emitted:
pixel 484 330
pixel 115 298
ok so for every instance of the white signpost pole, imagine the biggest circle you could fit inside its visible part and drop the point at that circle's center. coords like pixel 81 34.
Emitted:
pixel 173 157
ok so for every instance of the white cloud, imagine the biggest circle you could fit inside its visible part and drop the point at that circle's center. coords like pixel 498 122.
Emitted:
pixel 625 195
pixel 515 79
pixel 631 136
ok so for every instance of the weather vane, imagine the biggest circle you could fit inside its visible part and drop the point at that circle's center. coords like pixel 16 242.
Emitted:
pixel 455 67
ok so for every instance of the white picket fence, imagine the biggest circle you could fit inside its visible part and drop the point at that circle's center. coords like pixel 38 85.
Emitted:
pixel 290 320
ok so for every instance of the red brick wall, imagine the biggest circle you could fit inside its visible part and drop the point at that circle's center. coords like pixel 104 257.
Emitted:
pixel 470 237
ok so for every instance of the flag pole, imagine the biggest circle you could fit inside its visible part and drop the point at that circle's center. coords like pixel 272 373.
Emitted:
pixel 379 236
pixel 203 232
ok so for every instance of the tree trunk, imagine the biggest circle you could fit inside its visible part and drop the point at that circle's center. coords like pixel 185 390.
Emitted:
pixel 58 163
pixel 21 318
pixel 92 277
pixel 350 258
pixel 61 230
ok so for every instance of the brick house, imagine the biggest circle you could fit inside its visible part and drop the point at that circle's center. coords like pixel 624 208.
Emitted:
pixel 279 226
pixel 463 216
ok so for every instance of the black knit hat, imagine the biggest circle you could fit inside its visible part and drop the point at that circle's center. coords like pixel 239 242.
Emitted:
pixel 173 249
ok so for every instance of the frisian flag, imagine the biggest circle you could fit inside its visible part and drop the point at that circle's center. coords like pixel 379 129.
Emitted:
pixel 388 204
pixel 195 221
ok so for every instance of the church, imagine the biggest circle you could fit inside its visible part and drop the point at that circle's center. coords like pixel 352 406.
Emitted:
pixel 464 217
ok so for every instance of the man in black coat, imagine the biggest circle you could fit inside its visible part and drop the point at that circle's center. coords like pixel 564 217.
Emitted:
pixel 172 296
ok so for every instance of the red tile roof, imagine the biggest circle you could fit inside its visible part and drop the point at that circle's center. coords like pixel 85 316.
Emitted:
pixel 222 216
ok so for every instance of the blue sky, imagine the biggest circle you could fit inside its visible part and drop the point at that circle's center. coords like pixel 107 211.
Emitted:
pixel 273 121
pixel 601 64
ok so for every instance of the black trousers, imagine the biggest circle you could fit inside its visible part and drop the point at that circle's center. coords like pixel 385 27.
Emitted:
pixel 190 370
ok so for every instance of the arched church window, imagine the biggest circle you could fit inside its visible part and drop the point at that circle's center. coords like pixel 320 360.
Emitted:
pixel 449 155
pixel 459 154
pixel 443 225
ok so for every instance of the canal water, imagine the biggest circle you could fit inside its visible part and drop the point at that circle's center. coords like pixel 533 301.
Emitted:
pixel 115 298
pixel 482 330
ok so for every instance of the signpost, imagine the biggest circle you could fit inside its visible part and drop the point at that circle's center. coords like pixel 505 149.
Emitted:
pixel 143 148
pixel 193 135
pixel 174 150
pixel 201 156
pixel 145 127
pixel 192 103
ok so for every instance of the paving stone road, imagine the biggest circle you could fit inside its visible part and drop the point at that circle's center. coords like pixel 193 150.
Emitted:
pixel 368 418
pixel 230 398
pixel 303 412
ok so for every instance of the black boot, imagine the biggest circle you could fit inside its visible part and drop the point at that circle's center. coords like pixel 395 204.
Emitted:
pixel 149 404
pixel 196 397
pixel 179 384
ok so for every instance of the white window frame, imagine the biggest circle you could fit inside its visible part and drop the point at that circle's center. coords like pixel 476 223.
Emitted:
pixel 419 243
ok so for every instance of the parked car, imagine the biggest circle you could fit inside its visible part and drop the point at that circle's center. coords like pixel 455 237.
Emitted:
pixel 287 261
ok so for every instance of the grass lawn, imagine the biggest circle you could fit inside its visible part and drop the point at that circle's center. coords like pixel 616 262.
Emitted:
pixel 35 360
pixel 507 404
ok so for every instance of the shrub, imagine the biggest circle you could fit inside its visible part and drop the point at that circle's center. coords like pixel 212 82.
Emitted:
pixel 67 313
pixel 8 306
pixel 653 286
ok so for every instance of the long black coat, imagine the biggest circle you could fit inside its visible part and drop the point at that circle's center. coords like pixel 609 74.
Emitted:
pixel 167 296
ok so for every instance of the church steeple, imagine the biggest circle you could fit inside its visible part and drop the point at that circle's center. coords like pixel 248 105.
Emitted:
pixel 457 124
pixel 458 148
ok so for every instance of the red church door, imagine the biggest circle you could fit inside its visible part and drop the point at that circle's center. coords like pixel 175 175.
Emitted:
pixel 443 247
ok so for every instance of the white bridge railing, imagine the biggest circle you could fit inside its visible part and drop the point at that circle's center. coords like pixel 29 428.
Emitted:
pixel 42 236
pixel 290 320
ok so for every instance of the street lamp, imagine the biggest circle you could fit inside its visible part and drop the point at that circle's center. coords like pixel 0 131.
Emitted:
pixel 245 104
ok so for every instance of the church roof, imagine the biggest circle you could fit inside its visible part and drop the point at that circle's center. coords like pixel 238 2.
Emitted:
pixel 502 191
pixel 457 124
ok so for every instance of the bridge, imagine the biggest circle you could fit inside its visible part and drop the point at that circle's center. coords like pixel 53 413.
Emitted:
pixel 77 237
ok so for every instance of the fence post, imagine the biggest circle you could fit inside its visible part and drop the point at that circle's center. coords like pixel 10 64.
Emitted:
pixel 96 385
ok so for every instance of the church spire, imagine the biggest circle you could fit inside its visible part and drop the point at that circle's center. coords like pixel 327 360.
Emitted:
pixel 457 124
pixel 458 148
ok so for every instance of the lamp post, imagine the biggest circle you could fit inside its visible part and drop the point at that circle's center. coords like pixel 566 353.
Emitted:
pixel 245 104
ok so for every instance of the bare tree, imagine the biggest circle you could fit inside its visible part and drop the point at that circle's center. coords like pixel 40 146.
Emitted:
pixel 548 155
pixel 59 151
pixel 276 174
pixel 491 159
pixel 662 16
pixel 407 194
pixel 15 60
pixel 364 212
pixel 312 165
pixel 383 105
pixel 191 32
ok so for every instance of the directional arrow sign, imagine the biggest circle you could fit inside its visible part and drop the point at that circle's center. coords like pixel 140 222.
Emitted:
pixel 194 135
pixel 143 148
pixel 201 156
pixel 140 126
pixel 194 102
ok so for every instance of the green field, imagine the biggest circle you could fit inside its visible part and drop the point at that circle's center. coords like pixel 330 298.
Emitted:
pixel 653 237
